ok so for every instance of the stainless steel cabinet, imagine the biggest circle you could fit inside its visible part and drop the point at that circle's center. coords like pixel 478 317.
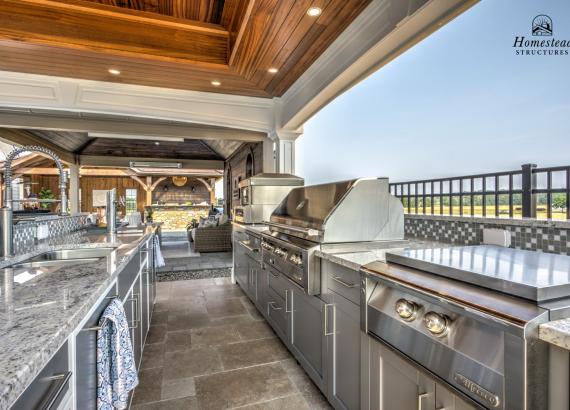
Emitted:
pixel 133 310
pixel 241 265
pixel 395 383
pixel 253 272
pixel 343 353
pixel 307 317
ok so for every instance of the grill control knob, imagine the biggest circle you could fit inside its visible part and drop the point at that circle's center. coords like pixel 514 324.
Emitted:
pixel 406 309
pixel 436 323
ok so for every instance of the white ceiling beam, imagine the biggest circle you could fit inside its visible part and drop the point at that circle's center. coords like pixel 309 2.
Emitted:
pixel 123 162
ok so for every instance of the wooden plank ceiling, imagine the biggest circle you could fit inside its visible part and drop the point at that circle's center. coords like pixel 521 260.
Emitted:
pixel 79 143
pixel 183 44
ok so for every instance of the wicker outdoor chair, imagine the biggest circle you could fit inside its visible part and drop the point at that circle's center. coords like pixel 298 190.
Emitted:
pixel 213 238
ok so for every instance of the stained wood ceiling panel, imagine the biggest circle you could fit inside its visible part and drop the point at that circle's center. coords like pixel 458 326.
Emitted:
pixel 189 149
pixel 208 11
pixel 70 141
pixel 178 46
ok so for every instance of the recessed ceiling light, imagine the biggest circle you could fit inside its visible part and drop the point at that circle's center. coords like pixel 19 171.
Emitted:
pixel 216 83
pixel 156 143
pixel 114 71
pixel 273 70
pixel 314 11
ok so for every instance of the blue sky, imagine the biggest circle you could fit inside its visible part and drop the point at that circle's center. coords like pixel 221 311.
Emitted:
pixel 458 103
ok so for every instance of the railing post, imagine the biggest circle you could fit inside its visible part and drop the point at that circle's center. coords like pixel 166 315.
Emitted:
pixel 528 187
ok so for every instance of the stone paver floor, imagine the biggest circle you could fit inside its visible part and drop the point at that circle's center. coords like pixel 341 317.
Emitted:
pixel 208 348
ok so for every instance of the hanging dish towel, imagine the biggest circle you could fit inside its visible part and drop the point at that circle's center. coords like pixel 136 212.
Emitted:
pixel 116 369
pixel 158 259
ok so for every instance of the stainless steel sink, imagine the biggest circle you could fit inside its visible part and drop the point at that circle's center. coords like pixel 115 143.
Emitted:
pixel 65 256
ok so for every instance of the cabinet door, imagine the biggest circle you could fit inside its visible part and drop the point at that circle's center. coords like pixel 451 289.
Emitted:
pixel 252 272
pixel 397 384
pixel 448 400
pixel 144 299
pixel 241 266
pixel 86 357
pixel 133 310
pixel 306 315
pixel 262 289
pixel 343 353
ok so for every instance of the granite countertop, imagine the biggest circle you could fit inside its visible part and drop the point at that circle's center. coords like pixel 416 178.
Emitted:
pixel 354 256
pixel 42 308
pixel 556 332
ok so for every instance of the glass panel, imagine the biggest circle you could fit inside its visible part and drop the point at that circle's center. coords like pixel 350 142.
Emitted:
pixel 467 206
pixel 428 188
pixel 455 202
pixel 413 189
pixel 427 205
pixel 398 190
pixel 503 183
pixel 445 202
pixel 405 189
pixel 517 205
pixel 490 183
pixel 436 187
pixel 420 188
pixel 445 188
pixel 490 205
pixel 541 180
pixel 504 206
pixel 478 184
pixel 559 180
pixel 436 205
pixel 478 205
pixel 541 206
pixel 455 186
pixel 558 201
pixel 405 203
pixel 466 185
pixel 517 181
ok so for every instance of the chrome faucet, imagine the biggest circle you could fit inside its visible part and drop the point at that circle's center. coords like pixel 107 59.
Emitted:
pixel 6 212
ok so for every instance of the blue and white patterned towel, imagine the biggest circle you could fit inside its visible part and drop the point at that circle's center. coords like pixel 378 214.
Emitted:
pixel 116 368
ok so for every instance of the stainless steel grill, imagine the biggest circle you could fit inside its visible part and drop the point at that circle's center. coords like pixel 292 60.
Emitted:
pixel 470 316
pixel 358 210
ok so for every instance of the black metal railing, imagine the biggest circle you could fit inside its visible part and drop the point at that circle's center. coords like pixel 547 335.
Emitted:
pixel 542 193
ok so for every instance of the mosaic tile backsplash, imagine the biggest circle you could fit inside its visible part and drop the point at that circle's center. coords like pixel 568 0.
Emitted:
pixel 539 236
pixel 25 232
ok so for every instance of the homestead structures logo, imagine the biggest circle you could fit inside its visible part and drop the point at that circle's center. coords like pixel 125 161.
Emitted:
pixel 541 27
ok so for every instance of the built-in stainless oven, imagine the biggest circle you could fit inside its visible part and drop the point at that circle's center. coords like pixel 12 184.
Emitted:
pixel 258 196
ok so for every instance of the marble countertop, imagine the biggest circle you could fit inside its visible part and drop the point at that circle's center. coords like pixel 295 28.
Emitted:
pixel 354 256
pixel 43 306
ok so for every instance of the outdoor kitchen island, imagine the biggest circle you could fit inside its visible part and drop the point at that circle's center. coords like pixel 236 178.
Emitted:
pixel 49 314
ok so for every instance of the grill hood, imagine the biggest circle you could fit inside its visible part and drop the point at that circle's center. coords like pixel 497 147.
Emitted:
pixel 357 210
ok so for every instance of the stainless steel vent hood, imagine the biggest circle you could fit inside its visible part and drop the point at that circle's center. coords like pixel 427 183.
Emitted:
pixel 349 211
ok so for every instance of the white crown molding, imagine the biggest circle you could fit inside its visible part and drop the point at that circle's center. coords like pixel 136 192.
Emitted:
pixel 384 30
pixel 32 91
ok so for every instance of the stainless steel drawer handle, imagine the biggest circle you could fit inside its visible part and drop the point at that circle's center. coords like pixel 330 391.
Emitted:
pixel 287 301
pixel 325 320
pixel 272 306
pixel 136 320
pixel 274 274
pixel 55 391
pixel 421 398
pixel 343 283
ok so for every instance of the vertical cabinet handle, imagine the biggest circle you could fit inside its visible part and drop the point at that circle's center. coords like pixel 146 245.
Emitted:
pixel 325 310
pixel 421 398
pixel 287 301
pixel 136 319
pixel 59 381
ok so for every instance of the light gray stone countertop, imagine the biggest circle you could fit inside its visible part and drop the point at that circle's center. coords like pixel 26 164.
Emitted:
pixel 41 307
pixel 556 332
pixel 355 255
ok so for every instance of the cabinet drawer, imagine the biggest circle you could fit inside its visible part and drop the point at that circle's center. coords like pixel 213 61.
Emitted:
pixel 277 283
pixel 50 386
pixel 128 276
pixel 343 281
pixel 276 315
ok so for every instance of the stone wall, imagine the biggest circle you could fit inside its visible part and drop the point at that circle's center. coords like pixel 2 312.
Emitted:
pixel 177 218
pixel 193 191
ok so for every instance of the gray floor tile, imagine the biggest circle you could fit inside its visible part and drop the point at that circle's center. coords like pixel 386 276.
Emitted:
pixel 241 387
pixel 225 307
pixel 190 363
pixel 251 353
pixel 153 356
pixel 187 403
pixel 178 340
pixel 176 389
pixel 150 386
pixel 215 335
pixel 295 401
